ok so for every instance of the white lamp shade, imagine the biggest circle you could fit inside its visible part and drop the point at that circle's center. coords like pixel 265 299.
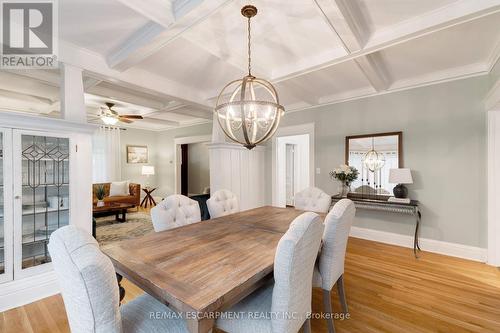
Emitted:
pixel 400 176
pixel 148 170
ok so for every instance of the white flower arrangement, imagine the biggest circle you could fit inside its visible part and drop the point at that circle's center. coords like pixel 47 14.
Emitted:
pixel 346 174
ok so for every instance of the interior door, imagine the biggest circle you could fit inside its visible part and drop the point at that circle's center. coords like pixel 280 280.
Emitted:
pixel 6 233
pixel 41 197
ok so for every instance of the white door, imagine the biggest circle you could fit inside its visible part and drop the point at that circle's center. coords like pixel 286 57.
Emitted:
pixel 6 233
pixel 41 197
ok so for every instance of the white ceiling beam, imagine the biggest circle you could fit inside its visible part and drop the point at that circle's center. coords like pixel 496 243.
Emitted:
pixel 372 66
pixel 116 94
pixel 154 36
pixel 50 77
pixel 159 11
pixel 27 86
pixel 346 21
pixel 134 78
pixel 456 13
pixel 208 115
pixel 166 122
pixel 90 82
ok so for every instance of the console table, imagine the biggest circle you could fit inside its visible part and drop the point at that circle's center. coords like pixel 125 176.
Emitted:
pixel 393 207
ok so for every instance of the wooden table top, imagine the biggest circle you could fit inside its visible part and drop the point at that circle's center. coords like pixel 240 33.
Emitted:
pixel 205 266
pixel 111 207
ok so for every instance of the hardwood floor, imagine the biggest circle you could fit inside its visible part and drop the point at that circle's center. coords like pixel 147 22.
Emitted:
pixel 388 290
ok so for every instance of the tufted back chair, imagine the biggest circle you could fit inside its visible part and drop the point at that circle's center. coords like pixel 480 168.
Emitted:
pixel 313 199
pixel 222 203
pixel 175 211
pixel 293 272
pixel 337 227
pixel 87 280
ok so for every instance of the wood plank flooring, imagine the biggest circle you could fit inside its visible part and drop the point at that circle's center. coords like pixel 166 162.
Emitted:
pixel 388 290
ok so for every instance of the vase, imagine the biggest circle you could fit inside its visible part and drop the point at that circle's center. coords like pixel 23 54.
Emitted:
pixel 100 203
pixel 344 190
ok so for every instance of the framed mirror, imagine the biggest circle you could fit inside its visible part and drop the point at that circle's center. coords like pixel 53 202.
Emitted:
pixel 374 155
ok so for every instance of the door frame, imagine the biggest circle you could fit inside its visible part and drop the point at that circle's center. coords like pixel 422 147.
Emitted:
pixel 8 215
pixel 177 155
pixel 307 128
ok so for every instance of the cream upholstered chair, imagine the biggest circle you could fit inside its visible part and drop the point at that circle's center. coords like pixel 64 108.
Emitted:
pixel 288 302
pixel 175 211
pixel 330 268
pixel 313 199
pixel 90 290
pixel 222 203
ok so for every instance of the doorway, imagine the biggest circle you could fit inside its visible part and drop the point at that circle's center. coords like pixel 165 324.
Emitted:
pixel 293 168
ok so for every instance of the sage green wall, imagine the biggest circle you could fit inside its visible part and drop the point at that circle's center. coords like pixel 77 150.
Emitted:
pixel 133 172
pixel 444 143
pixel 165 155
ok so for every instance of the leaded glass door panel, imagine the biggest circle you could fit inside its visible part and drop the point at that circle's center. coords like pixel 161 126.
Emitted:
pixel 42 197
pixel 6 233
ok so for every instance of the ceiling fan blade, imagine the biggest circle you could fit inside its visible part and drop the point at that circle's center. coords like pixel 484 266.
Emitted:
pixel 125 120
pixel 131 116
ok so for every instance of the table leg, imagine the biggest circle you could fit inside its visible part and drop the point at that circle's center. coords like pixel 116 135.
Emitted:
pixel 416 245
pixel 144 201
pixel 203 325
pixel 124 216
pixel 94 227
pixel 120 288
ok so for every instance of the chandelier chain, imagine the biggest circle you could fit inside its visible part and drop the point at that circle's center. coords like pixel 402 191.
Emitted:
pixel 249 50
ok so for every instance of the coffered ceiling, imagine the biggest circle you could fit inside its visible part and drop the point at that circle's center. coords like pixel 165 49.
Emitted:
pixel 167 60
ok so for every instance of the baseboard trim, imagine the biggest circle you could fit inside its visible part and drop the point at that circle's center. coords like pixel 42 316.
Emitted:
pixel 27 290
pixel 430 245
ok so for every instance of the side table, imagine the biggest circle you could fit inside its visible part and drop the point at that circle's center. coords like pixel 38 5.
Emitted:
pixel 148 199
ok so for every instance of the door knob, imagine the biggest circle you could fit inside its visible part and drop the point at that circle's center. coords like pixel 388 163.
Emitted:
pixel 17 197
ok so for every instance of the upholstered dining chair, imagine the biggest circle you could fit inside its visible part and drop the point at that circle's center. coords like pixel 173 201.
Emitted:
pixel 222 203
pixel 313 199
pixel 90 290
pixel 175 211
pixel 330 266
pixel 285 304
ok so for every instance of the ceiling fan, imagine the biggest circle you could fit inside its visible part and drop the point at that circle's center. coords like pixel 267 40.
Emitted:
pixel 111 117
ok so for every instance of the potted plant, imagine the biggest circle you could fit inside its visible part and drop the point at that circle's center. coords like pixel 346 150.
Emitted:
pixel 346 175
pixel 100 193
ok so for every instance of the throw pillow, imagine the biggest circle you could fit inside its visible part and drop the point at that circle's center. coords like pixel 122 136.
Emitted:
pixel 119 189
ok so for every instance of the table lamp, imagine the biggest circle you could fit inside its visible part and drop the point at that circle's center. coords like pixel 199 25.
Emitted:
pixel 400 176
pixel 148 170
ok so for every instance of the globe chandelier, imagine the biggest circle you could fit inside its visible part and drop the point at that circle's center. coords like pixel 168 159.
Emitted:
pixel 248 109
pixel 373 160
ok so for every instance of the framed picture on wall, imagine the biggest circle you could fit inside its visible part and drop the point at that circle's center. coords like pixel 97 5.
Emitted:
pixel 137 154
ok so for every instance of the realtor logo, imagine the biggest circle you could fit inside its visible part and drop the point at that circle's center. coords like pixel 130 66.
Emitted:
pixel 28 34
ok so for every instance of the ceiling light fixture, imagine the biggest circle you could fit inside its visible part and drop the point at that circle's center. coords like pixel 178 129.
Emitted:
pixel 373 160
pixel 248 109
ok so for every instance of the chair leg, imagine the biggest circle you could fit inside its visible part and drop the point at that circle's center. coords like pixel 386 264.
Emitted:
pixel 341 291
pixel 306 328
pixel 327 303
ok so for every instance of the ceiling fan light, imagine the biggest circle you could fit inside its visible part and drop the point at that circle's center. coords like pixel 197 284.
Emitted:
pixel 109 120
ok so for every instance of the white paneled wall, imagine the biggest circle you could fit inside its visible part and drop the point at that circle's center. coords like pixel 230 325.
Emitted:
pixel 235 168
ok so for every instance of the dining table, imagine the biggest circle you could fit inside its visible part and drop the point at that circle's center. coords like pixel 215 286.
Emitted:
pixel 201 269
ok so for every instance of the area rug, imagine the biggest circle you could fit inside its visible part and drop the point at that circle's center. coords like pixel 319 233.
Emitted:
pixel 108 230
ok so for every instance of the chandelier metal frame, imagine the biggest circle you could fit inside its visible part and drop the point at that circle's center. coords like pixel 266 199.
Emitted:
pixel 246 123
